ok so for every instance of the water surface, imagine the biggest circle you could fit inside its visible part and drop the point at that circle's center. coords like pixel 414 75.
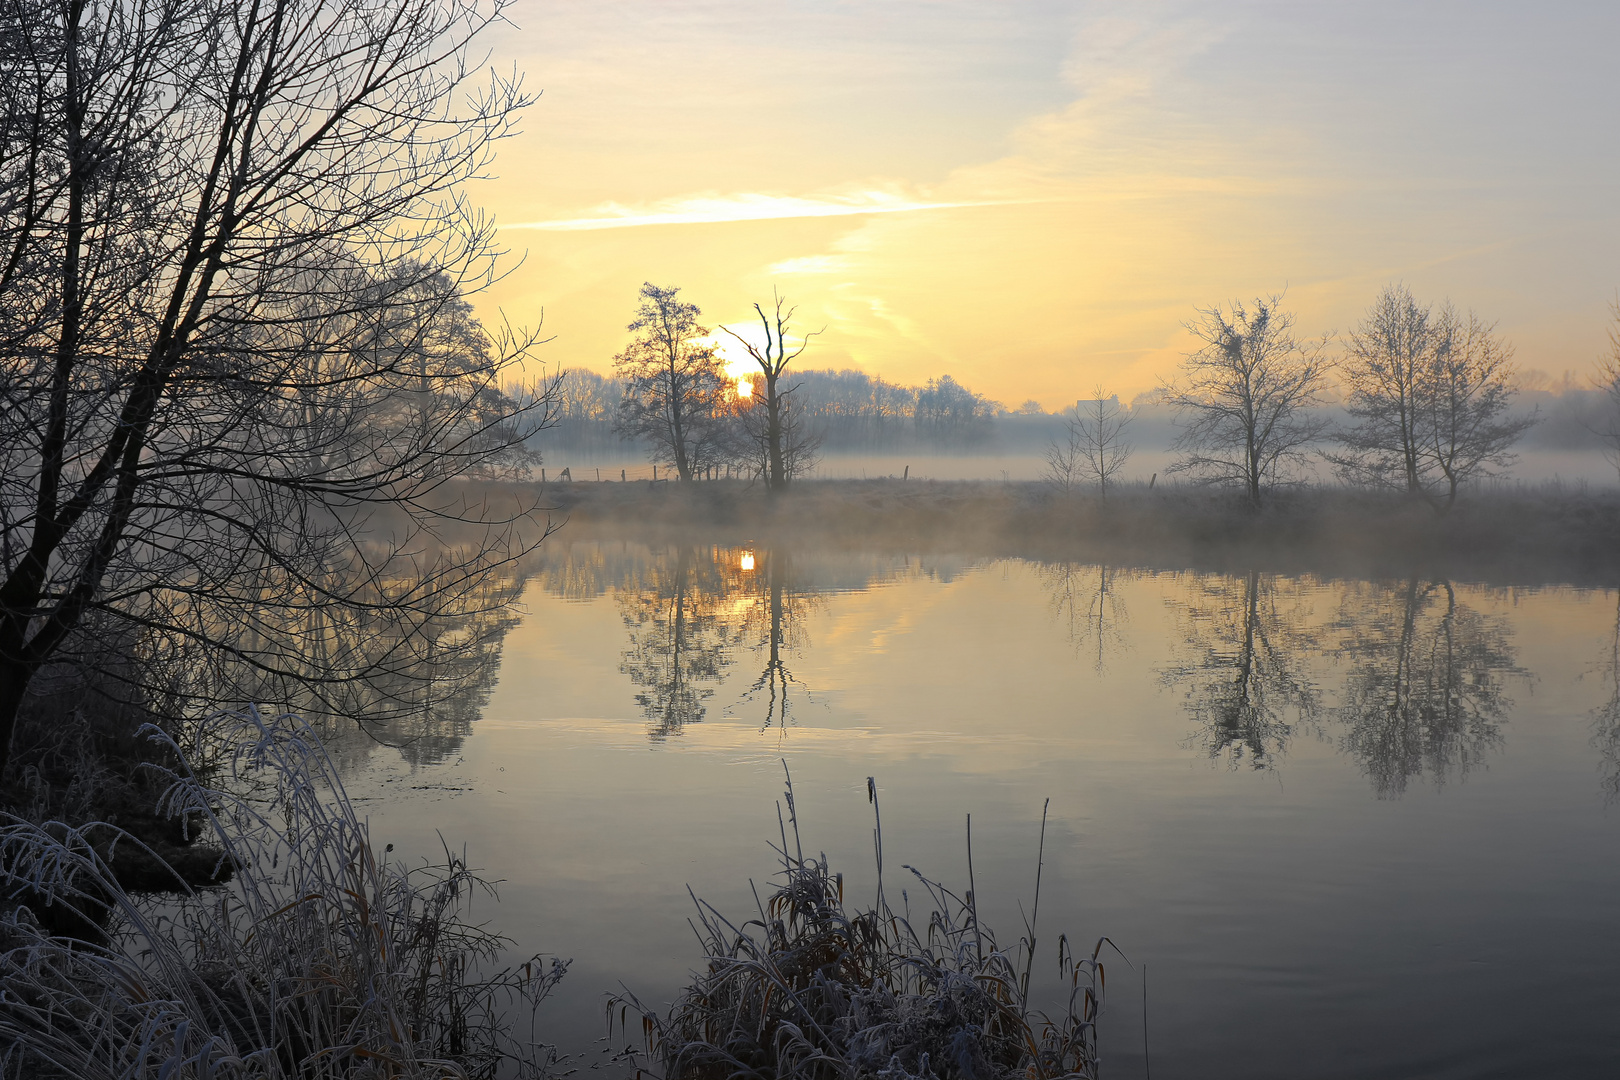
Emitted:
pixel 1349 828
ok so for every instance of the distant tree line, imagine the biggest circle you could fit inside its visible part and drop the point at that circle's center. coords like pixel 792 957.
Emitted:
pixel 671 397
pixel 1415 397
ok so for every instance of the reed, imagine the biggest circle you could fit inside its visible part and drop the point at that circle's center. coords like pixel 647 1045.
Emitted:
pixel 814 990
pixel 321 958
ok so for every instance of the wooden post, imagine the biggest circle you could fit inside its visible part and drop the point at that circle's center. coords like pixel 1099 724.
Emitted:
pixel 907 474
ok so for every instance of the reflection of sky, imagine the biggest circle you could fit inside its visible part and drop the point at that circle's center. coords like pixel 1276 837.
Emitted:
pixel 1033 196
pixel 1285 914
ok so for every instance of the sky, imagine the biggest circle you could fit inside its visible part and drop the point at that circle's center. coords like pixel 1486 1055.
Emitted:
pixel 1034 197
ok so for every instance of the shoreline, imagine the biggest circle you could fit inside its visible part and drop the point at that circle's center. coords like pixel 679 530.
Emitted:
pixel 1522 535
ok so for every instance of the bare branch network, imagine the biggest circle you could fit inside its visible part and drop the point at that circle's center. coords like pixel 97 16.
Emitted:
pixel 236 244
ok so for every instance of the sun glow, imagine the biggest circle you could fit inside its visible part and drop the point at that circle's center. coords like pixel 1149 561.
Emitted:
pixel 740 367
pixel 747 560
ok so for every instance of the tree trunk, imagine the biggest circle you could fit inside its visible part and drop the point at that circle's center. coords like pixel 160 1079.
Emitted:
pixel 776 479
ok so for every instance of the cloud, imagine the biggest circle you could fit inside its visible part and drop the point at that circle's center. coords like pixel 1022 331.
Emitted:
pixel 811 264
pixel 743 206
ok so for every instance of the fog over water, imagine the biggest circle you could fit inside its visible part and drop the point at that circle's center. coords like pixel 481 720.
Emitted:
pixel 1352 828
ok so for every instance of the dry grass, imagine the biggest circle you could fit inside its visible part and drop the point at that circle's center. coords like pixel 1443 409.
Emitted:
pixel 321 959
pixel 812 990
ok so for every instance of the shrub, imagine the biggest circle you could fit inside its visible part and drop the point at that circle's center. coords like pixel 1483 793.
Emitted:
pixel 321 957
pixel 809 990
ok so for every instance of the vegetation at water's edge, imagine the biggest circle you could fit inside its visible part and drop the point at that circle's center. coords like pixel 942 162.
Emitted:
pixel 812 990
pixel 1504 533
pixel 304 952
pixel 322 957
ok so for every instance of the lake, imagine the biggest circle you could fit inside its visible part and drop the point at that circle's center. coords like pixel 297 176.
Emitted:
pixel 1347 828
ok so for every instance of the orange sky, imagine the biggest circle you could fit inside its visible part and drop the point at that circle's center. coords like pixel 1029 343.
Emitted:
pixel 1032 197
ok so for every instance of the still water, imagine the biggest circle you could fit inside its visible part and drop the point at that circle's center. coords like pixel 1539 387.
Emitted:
pixel 1348 828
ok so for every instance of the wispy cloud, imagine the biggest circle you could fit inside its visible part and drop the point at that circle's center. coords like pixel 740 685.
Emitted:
pixel 743 206
pixel 810 264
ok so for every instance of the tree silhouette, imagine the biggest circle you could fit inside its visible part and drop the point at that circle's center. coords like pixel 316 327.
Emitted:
pixel 777 443
pixel 674 386
pixel 1094 444
pixel 235 244
pixel 1430 393
pixel 1246 397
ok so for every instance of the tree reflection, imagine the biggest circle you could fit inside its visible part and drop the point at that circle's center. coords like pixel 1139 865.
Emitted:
pixel 1245 684
pixel 1606 719
pixel 1085 599
pixel 381 670
pixel 1425 690
pixel 775 622
pixel 683 634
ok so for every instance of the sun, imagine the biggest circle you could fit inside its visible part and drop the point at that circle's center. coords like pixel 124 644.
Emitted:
pixel 740 367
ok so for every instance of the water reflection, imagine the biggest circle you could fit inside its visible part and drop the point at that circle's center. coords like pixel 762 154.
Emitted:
pixel 1424 694
pixel 388 668
pixel 775 624
pixel 1606 717
pixel 691 611
pixel 1087 602
pixel 684 630
pixel 1245 676
pixel 1407 679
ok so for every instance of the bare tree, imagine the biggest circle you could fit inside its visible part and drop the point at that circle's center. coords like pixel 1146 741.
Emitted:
pixel 1247 396
pixel 675 389
pixel 1387 370
pixel 1468 426
pixel 1430 393
pixel 797 443
pixel 1065 458
pixel 1094 446
pixel 773 355
pixel 230 236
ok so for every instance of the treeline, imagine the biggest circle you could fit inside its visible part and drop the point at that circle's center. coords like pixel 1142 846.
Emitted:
pixel 850 410
pixel 859 412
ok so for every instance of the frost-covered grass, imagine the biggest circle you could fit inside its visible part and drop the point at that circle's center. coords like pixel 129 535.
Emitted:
pixel 814 990
pixel 321 957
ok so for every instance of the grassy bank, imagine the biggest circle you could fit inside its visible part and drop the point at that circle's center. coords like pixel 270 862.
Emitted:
pixel 321 958
pixel 1505 534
